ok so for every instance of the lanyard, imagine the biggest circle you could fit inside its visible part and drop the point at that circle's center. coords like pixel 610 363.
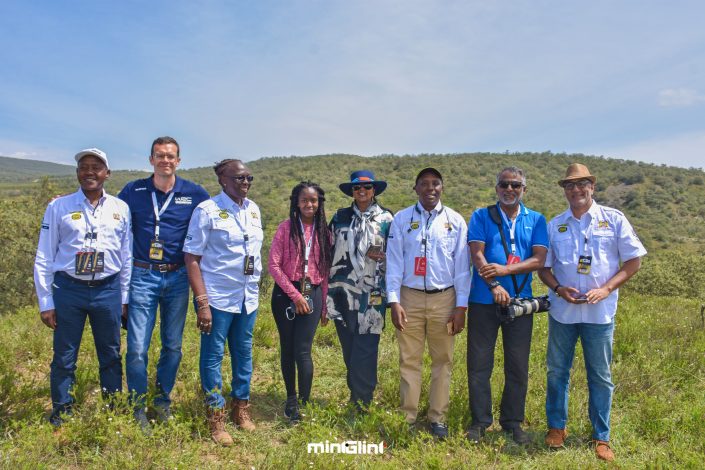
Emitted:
pixel 512 228
pixel 90 240
pixel 158 212
pixel 308 244
pixel 242 228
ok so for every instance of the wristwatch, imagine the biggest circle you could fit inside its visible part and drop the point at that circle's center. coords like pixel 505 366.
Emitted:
pixel 493 284
pixel 555 289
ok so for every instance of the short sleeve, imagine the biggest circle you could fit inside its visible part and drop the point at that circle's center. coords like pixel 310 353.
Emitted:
pixel 629 245
pixel 197 233
pixel 476 227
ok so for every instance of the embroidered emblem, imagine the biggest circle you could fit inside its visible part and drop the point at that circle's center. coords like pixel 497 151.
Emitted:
pixel 414 225
pixel 75 215
pixel 116 216
pixel 223 214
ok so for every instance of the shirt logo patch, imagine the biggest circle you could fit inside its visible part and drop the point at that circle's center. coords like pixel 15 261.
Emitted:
pixel 189 237
pixel 414 225
pixel 223 214
pixel 183 200
pixel 116 216
pixel 254 215
pixel 45 226
pixel 603 224
pixel 141 189
pixel 75 215
pixel 562 228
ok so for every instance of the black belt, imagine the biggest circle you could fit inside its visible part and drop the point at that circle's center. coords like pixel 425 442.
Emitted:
pixel 432 291
pixel 161 267
pixel 86 282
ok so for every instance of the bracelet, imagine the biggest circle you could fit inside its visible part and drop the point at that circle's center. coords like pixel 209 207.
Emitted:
pixel 555 289
pixel 202 307
pixel 198 298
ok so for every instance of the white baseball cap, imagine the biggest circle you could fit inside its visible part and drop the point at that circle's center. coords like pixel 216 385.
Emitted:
pixel 95 152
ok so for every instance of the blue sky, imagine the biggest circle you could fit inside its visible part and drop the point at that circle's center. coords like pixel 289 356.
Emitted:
pixel 251 79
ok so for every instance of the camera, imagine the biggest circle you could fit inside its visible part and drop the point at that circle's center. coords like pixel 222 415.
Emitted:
pixel 522 306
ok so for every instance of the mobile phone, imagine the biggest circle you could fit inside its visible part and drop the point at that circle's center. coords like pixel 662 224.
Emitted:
pixel 581 300
pixel 374 250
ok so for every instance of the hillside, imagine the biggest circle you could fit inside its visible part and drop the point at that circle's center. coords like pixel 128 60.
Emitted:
pixel 20 169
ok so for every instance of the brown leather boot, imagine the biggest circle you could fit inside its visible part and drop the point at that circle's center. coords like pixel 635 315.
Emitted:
pixel 240 414
pixel 604 451
pixel 556 437
pixel 216 424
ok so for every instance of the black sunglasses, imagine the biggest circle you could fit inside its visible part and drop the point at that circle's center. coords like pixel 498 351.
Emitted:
pixel 357 187
pixel 513 184
pixel 242 178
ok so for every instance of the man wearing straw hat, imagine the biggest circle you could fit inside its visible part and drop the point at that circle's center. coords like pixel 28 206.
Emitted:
pixel 593 251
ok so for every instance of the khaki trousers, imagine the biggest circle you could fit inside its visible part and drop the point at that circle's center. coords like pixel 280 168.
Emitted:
pixel 427 316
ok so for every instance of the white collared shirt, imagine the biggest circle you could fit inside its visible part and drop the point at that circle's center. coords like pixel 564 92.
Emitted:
pixel 66 222
pixel 611 241
pixel 446 252
pixel 217 234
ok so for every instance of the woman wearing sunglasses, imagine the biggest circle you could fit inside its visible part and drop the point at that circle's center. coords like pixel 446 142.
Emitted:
pixel 356 291
pixel 299 262
pixel 222 256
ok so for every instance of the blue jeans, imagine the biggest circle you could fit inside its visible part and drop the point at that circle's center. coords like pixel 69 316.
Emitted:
pixel 169 291
pixel 237 329
pixel 103 307
pixel 596 341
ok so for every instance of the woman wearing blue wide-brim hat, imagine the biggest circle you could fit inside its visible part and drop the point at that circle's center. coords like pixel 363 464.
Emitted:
pixel 357 297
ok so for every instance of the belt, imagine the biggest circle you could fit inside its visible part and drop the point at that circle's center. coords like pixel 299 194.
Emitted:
pixel 86 282
pixel 432 291
pixel 161 267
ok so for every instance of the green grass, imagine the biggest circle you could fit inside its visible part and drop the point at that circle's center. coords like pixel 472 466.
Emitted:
pixel 658 417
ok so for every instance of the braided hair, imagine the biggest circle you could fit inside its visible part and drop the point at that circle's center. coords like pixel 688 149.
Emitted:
pixel 220 166
pixel 320 227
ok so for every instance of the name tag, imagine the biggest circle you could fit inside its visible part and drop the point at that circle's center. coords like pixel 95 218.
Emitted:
pixel 584 264
pixel 420 266
pixel 156 250
pixel 249 265
pixel 375 297
pixel 513 259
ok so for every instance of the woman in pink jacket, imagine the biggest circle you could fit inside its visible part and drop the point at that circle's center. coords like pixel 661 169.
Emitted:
pixel 299 262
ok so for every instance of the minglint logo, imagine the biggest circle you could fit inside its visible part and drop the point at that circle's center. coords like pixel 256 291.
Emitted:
pixel 346 447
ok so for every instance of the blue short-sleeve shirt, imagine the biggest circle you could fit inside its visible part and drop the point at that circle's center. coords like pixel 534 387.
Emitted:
pixel 530 231
pixel 173 222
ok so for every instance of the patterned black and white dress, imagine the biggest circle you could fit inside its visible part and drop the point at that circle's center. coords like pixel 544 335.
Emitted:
pixel 353 274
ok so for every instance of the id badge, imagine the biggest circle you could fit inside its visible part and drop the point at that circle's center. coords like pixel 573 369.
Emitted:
pixel 420 266
pixel 249 265
pixel 306 287
pixel 375 297
pixel 584 263
pixel 89 262
pixel 156 250
pixel 512 259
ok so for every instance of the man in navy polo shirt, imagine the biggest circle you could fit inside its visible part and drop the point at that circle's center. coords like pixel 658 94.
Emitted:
pixel 502 270
pixel 161 207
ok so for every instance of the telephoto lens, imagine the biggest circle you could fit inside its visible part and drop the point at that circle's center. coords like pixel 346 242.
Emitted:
pixel 523 306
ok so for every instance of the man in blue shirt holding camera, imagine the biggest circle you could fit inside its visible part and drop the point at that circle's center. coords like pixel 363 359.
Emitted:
pixel 502 271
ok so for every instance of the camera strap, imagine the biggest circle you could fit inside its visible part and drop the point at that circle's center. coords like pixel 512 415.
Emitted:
pixel 494 215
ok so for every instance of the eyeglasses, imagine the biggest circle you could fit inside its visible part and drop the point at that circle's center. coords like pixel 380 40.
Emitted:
pixel 165 156
pixel 367 187
pixel 513 184
pixel 241 178
pixel 582 184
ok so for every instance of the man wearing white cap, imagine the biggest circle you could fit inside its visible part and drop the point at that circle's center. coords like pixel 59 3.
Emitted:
pixel 593 251
pixel 82 269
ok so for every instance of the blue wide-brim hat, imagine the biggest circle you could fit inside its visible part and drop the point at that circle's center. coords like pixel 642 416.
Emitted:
pixel 363 177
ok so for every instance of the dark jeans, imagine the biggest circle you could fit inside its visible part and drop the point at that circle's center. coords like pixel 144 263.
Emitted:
pixel 295 341
pixel 483 327
pixel 103 307
pixel 360 356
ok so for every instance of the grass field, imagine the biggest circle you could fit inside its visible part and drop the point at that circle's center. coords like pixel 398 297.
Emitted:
pixel 658 417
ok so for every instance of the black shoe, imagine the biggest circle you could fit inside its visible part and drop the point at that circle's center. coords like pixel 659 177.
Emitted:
pixel 475 433
pixel 162 413
pixel 141 418
pixel 439 431
pixel 291 409
pixel 58 417
pixel 519 436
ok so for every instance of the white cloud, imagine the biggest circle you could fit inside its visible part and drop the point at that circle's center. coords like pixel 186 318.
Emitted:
pixel 679 98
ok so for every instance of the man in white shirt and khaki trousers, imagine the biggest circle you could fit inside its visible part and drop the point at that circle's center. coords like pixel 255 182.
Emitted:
pixel 428 283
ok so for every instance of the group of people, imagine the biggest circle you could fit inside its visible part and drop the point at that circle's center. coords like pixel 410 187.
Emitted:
pixel 111 258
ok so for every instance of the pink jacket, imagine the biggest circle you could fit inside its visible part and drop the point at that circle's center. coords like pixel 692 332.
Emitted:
pixel 285 259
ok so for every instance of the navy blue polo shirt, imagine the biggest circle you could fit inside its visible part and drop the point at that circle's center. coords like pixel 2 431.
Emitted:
pixel 173 222
pixel 530 231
